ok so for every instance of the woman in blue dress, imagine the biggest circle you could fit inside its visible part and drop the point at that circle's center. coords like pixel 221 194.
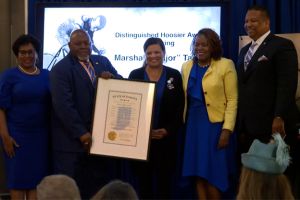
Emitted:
pixel 24 120
pixel 210 84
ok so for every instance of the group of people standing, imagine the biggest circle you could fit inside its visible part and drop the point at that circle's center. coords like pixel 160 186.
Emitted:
pixel 209 96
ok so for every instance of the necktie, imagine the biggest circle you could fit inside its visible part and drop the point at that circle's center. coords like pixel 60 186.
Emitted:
pixel 249 55
pixel 90 70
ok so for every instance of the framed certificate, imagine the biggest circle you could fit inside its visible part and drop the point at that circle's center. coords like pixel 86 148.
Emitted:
pixel 122 118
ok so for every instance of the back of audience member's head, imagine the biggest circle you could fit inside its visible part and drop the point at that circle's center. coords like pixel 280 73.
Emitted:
pixel 58 187
pixel 116 190
pixel 262 173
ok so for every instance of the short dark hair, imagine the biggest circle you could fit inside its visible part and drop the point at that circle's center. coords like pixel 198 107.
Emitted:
pixel 262 9
pixel 26 39
pixel 213 40
pixel 152 40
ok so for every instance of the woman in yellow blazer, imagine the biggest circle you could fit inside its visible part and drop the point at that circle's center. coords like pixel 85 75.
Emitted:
pixel 210 85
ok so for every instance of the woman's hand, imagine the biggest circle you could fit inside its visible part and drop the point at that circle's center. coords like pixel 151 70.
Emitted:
pixel 9 144
pixel 159 133
pixel 86 140
pixel 224 138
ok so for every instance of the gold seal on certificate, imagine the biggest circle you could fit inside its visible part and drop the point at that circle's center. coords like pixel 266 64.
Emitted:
pixel 112 135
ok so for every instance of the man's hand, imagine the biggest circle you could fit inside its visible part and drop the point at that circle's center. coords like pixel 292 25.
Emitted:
pixel 106 75
pixel 278 126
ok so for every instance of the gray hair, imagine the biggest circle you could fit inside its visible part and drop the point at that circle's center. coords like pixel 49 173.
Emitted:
pixel 58 187
pixel 115 190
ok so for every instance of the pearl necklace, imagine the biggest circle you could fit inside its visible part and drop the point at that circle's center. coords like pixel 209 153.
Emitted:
pixel 203 66
pixel 26 72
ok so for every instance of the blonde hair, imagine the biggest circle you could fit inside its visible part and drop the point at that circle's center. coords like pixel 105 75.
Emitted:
pixel 258 185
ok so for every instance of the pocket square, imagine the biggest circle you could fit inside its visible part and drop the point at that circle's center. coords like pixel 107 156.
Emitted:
pixel 262 58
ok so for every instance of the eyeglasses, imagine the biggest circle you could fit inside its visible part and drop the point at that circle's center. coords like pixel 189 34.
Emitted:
pixel 24 53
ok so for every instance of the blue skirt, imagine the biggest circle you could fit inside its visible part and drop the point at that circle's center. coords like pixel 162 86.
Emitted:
pixel 202 158
pixel 30 164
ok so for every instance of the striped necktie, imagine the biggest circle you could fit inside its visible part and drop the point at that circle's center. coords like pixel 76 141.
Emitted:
pixel 249 55
pixel 90 70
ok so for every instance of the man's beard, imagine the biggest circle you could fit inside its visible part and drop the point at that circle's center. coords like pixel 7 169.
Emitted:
pixel 83 58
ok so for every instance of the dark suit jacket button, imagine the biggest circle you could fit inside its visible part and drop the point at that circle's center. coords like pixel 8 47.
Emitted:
pixel 205 92
pixel 207 104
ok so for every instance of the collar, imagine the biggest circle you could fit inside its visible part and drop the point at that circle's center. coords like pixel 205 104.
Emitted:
pixel 261 38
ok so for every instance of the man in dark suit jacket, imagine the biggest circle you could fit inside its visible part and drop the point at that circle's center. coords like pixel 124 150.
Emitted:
pixel 72 83
pixel 267 83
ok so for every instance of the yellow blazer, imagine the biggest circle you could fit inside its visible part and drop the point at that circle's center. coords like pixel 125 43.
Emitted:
pixel 220 90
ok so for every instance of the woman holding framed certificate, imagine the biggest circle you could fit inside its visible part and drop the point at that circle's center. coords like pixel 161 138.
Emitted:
pixel 166 121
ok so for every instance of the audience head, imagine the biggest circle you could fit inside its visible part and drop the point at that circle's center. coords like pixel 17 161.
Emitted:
pixel 155 51
pixel 259 185
pixel 257 22
pixel 262 173
pixel 206 45
pixel 58 187
pixel 80 44
pixel 116 190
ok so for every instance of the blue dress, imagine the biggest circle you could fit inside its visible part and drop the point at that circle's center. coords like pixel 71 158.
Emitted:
pixel 202 158
pixel 160 86
pixel 26 102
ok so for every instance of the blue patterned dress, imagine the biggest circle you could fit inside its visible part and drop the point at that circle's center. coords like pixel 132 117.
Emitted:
pixel 202 158
pixel 26 102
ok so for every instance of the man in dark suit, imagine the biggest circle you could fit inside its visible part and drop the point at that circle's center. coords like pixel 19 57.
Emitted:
pixel 72 83
pixel 267 87
pixel 267 83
